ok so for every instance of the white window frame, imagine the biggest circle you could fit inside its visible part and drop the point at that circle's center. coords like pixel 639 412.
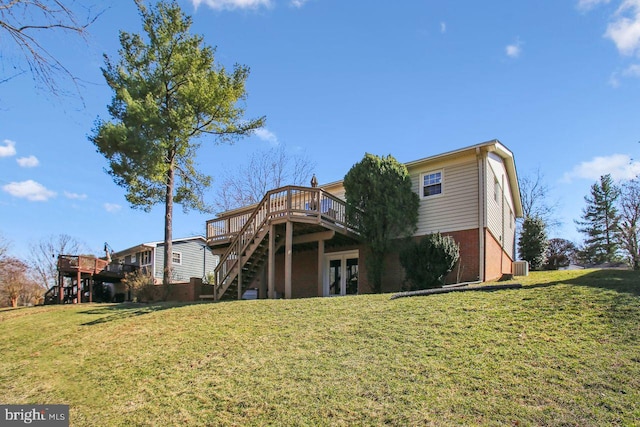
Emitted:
pixel 422 185
pixel 133 259
pixel 172 259
pixel 342 256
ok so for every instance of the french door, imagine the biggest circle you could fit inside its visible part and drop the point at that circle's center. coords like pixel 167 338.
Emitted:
pixel 341 274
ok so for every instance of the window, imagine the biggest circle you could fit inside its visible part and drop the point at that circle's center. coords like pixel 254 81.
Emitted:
pixel 133 259
pixel 432 184
pixel 176 258
pixel 145 258
pixel 496 189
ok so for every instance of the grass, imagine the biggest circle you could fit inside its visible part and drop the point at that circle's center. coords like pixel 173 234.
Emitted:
pixel 563 350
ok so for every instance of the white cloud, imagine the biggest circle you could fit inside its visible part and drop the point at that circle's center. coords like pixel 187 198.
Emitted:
pixel 590 4
pixel 620 166
pixel 624 30
pixel 298 3
pixel 232 4
pixel 28 162
pixel 112 207
pixel 632 71
pixel 443 27
pixel 8 149
pixel 266 135
pixel 30 190
pixel 514 50
pixel 614 80
pixel 74 196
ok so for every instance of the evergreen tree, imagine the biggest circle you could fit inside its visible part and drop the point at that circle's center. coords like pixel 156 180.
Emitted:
pixel 168 92
pixel 600 223
pixel 628 225
pixel 533 243
pixel 382 206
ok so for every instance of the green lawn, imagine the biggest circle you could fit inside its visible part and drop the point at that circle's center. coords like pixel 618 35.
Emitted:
pixel 563 350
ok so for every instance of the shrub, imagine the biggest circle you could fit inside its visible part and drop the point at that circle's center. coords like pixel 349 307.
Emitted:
pixel 428 261
pixel 533 242
pixel 138 283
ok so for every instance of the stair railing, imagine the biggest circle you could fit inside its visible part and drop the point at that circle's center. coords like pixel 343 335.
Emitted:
pixel 282 202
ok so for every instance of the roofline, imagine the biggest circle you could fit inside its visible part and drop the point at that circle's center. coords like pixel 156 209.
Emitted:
pixel 152 245
pixel 493 145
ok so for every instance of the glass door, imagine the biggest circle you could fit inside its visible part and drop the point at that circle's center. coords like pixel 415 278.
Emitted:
pixel 341 276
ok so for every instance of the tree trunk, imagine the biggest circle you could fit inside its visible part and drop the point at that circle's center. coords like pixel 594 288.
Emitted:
pixel 14 302
pixel 168 232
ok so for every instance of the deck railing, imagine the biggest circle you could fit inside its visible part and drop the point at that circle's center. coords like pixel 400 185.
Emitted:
pixel 82 263
pixel 290 201
pixel 286 203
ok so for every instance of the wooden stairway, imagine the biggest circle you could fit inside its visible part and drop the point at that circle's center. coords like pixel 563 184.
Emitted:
pixel 252 262
pixel 247 233
pixel 246 256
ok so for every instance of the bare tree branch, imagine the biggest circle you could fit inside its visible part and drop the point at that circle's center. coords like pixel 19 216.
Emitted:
pixel 43 256
pixel 23 21
pixel 266 170
pixel 534 193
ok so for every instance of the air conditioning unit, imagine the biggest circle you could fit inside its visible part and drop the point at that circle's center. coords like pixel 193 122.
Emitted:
pixel 520 268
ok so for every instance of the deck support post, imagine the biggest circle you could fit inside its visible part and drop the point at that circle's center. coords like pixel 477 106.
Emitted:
pixel 321 268
pixel 271 289
pixel 239 269
pixel 288 255
pixel 79 285
pixel 60 288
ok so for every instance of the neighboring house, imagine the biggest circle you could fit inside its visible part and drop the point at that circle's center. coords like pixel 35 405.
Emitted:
pixel 296 241
pixel 191 258
pixel 78 275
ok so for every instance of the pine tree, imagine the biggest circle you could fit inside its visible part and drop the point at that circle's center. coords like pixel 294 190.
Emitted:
pixel 532 244
pixel 600 223
pixel 169 94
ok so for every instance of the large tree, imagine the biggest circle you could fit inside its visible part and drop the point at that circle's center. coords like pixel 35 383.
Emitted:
pixel 266 169
pixel 382 205
pixel 168 94
pixel 629 231
pixel 22 26
pixel 600 223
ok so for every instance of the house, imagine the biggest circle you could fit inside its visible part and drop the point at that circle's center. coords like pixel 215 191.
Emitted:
pixel 190 258
pixel 296 241
pixel 81 276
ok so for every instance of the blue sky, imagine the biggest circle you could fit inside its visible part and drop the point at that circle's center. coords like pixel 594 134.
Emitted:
pixel 558 82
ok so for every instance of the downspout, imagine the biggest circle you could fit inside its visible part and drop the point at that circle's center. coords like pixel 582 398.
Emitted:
pixel 481 213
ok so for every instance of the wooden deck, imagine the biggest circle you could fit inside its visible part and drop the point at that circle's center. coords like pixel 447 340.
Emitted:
pixel 291 203
pixel 249 240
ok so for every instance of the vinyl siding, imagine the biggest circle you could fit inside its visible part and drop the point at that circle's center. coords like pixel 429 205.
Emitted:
pixel 196 260
pixel 499 221
pixel 457 207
